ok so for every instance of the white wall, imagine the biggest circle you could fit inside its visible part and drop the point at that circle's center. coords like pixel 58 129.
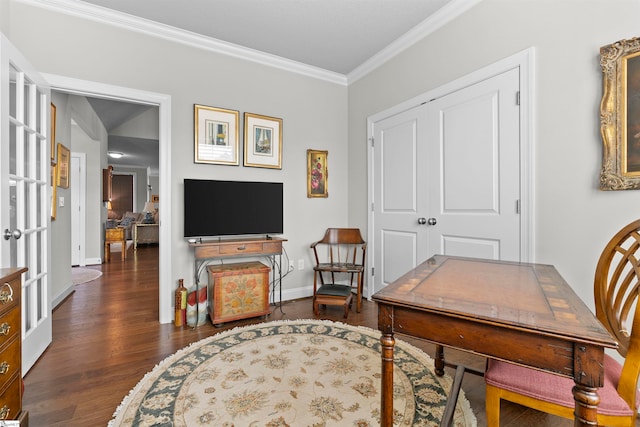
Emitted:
pixel 573 219
pixel 5 8
pixel 89 137
pixel 314 114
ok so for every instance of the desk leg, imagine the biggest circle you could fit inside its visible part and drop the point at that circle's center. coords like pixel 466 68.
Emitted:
pixel 439 360
pixel 386 403
pixel 587 400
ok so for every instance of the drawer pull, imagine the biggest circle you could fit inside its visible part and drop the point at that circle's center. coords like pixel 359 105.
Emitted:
pixel 5 328
pixel 242 248
pixel 4 412
pixel 4 367
pixel 6 295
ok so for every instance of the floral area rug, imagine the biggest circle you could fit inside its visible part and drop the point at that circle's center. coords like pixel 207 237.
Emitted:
pixel 289 373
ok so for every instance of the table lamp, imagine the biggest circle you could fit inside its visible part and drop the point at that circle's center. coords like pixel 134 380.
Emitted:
pixel 148 216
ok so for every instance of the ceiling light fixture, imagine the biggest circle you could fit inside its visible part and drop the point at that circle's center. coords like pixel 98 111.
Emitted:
pixel 115 154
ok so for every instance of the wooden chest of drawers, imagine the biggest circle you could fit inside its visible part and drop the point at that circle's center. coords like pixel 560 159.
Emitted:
pixel 238 291
pixel 114 235
pixel 11 345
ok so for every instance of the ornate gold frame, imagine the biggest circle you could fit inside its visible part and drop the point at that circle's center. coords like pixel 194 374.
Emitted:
pixel 317 173
pixel 620 63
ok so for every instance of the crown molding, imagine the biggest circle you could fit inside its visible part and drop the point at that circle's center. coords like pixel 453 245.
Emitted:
pixel 167 32
pixel 106 16
pixel 446 14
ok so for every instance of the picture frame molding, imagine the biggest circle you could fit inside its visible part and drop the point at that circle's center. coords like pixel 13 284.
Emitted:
pixel 271 155
pixel 223 150
pixel 614 60
pixel 317 160
pixel 63 166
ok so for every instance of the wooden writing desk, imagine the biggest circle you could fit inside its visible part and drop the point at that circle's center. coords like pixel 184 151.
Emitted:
pixel 522 313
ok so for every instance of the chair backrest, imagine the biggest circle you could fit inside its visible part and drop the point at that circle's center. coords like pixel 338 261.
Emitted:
pixel 344 245
pixel 616 287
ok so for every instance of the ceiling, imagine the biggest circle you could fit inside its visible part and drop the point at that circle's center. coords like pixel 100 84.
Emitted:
pixel 137 152
pixel 334 36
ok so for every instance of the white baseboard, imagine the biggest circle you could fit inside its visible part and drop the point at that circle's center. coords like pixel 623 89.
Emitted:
pixel 291 294
pixel 93 261
pixel 62 295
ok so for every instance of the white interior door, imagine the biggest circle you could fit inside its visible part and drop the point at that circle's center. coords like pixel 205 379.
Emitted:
pixel 25 204
pixel 446 179
pixel 400 197
pixel 474 169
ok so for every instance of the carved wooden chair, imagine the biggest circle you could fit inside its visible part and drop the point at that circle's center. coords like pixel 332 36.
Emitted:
pixel 616 298
pixel 339 255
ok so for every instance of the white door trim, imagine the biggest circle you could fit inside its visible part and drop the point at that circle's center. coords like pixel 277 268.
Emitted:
pixel 79 206
pixel 163 101
pixel 525 62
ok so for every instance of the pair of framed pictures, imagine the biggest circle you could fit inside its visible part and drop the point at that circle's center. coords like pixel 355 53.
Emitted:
pixel 217 138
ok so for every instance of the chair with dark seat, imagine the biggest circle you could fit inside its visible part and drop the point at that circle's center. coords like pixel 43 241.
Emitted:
pixel 616 299
pixel 340 256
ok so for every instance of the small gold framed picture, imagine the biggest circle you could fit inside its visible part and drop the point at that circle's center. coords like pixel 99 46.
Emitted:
pixel 317 173
pixel 63 166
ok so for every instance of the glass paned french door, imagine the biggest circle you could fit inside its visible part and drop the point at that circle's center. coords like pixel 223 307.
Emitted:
pixel 25 206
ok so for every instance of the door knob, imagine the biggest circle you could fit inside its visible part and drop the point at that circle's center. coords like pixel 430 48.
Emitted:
pixel 422 221
pixel 16 234
pixel 432 221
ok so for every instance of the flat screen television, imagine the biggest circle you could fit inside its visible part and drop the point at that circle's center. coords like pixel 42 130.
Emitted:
pixel 224 208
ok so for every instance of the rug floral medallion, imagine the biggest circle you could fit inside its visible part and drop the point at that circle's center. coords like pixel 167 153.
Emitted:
pixel 289 373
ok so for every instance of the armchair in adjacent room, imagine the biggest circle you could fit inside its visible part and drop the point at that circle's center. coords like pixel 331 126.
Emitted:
pixel 340 258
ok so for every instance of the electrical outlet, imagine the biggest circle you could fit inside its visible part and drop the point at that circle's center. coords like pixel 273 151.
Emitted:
pixel 300 264
pixel 291 267
pixel 61 201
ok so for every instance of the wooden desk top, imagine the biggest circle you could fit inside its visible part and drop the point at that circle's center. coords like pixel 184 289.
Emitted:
pixel 515 295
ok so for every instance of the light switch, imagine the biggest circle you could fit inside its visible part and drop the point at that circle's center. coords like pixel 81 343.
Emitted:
pixel 61 201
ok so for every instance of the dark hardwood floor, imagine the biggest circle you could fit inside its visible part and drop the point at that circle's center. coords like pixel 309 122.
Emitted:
pixel 106 336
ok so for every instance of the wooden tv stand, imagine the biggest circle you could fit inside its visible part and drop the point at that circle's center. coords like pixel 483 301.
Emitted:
pixel 227 248
pixel 207 250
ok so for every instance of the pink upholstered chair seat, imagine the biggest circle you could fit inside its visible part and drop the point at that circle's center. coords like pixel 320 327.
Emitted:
pixel 557 389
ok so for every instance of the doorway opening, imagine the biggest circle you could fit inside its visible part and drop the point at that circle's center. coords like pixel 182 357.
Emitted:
pixel 163 103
